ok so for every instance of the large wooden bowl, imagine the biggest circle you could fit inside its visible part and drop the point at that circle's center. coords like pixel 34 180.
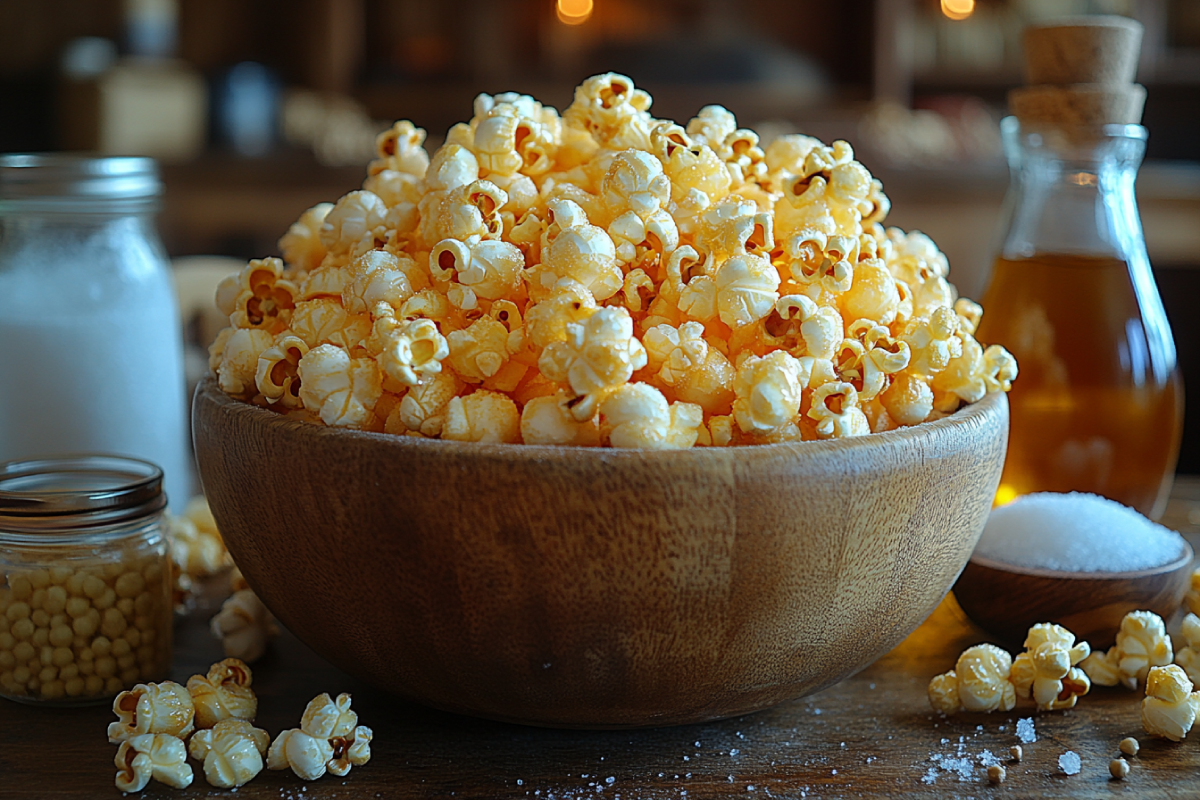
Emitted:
pixel 597 588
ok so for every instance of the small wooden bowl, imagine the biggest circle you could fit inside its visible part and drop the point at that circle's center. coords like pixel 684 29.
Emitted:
pixel 1007 600
pixel 597 588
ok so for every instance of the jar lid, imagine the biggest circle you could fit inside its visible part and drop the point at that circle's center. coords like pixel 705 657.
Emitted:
pixel 62 176
pixel 83 491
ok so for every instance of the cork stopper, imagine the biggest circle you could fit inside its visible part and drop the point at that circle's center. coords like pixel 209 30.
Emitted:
pixel 1080 73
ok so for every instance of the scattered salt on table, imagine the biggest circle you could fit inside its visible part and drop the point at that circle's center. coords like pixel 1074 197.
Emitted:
pixel 1069 762
pixel 1025 731
pixel 1076 533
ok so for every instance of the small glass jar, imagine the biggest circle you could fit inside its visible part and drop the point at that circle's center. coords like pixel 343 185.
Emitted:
pixel 85 582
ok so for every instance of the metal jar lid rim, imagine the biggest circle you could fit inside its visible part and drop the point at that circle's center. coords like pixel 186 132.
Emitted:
pixel 77 491
pixel 33 177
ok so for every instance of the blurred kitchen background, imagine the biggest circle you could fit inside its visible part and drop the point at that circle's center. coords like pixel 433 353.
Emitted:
pixel 259 109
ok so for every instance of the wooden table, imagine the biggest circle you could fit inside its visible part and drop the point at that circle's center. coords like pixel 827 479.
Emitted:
pixel 871 735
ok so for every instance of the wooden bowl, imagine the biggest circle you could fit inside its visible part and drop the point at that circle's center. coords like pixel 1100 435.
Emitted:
pixel 597 588
pixel 1007 600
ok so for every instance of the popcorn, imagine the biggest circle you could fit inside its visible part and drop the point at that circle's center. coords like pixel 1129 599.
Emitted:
pixel 1192 598
pixel 224 693
pixel 1046 671
pixel 195 543
pixel 1142 643
pixel 152 755
pixel 619 248
pixel 329 738
pixel 244 625
pixel 232 752
pixel 978 682
pixel 152 709
pixel 1170 706
pixel 1189 657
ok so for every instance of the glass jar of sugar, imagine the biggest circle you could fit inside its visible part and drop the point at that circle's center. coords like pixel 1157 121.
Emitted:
pixel 91 352
pixel 85 584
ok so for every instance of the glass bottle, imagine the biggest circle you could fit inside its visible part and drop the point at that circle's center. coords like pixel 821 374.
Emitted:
pixel 1098 405
pixel 91 350
pixel 85 584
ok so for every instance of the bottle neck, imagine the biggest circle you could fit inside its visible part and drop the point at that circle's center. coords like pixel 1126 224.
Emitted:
pixel 1072 191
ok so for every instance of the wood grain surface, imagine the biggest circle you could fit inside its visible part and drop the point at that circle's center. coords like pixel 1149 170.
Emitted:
pixel 870 736
pixel 1005 601
pixel 597 588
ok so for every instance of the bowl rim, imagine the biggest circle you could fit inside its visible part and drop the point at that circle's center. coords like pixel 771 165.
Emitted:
pixel 1177 564
pixel 976 413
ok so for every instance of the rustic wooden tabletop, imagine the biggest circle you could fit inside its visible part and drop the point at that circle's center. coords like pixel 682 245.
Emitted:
pixel 872 735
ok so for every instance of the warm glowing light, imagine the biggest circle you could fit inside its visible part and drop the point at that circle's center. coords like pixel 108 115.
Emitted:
pixel 577 12
pixel 1004 495
pixel 954 9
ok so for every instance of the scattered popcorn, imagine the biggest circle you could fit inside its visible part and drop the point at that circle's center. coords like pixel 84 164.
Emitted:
pixel 1016 753
pixel 244 626
pixel 1170 706
pixel 978 682
pixel 152 708
pixel 329 739
pixel 1189 657
pixel 1046 671
pixel 1192 598
pixel 1070 763
pixel 1142 643
pixel 537 256
pixel 223 693
pixel 196 544
pixel 232 752
pixel 1129 746
pixel 996 773
pixel 152 755
pixel 1118 768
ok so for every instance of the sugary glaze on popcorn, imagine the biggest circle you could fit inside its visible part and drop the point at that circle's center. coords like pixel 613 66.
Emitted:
pixel 605 278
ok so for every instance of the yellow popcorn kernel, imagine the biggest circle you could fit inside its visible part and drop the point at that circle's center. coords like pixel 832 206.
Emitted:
pixel 277 376
pixel 720 431
pixel 637 415
pixel 307 756
pixel 329 738
pixel 962 379
pixel 546 322
pixel 258 296
pixel 745 290
pixel 428 304
pixel 423 408
pixel 1170 706
pixel 639 290
pixel 223 693
pixel 1188 656
pixel 768 392
pixel 408 352
pixel 586 253
pixel 933 340
pixel 744 155
pixel 856 368
pixel 823 265
pixel 479 351
pixel 353 749
pixel 495 142
pixel 548 420
pixel 1142 643
pixel 1192 599
pixel 908 400
pixel 482 416
pixel 343 390
pixel 734 227
pixel 244 625
pixel 872 295
pixel 797 324
pixel 326 718
pixel 195 550
pixel 400 149
pixel 486 268
pixel 327 281
pixel 1046 671
pixel 325 321
pixel 604 105
pixel 152 755
pixel 375 277
pixel 635 182
pixel 232 752
pixel 712 126
pixel 152 708
pixel 239 360
pixel 354 216
pixel 452 166
pixel 978 682
pixel 597 356
pixel 999 369
pixel 697 373
pixel 786 154
pixel 836 412
pixel 301 246
pixel 401 192
pixel 915 260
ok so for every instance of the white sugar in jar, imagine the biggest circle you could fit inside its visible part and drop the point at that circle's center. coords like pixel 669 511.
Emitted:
pixel 91 356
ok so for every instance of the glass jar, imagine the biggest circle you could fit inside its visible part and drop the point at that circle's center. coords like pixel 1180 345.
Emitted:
pixel 91 350
pixel 1098 405
pixel 85 584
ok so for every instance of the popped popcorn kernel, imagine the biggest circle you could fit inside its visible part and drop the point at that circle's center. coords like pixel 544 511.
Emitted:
pixel 152 755
pixel 540 256
pixel 1170 706
pixel 1142 643
pixel 1047 670
pixel 223 693
pixel 232 752
pixel 329 739
pixel 153 708
pixel 978 682
pixel 1188 656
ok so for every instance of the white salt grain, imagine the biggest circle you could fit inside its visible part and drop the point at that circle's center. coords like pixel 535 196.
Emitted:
pixel 1069 762
pixel 1025 731
pixel 1076 533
